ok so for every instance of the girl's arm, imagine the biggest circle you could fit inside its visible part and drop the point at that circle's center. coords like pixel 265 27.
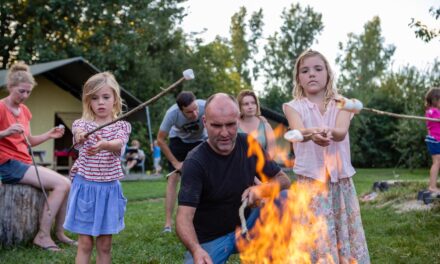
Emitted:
pixel 342 125
pixel 102 144
pixel 295 122
pixel 55 132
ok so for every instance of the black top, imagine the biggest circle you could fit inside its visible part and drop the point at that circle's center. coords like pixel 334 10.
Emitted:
pixel 214 183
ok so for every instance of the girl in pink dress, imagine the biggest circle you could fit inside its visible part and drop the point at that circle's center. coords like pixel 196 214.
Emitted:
pixel 432 102
pixel 323 158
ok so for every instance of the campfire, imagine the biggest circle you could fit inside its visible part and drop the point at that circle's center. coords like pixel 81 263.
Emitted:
pixel 288 230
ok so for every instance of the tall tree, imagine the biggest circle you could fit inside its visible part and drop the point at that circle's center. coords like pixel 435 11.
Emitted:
pixel 297 33
pixel 214 66
pixel 244 38
pixel 139 41
pixel 364 60
pixel 363 65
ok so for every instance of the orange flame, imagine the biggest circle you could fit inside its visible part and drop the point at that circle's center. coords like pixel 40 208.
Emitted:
pixel 282 151
pixel 288 230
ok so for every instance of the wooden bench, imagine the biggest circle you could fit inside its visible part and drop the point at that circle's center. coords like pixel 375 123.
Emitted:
pixel 60 154
pixel 20 208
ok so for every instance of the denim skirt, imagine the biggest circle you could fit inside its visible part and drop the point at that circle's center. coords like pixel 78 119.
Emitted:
pixel 433 145
pixel 12 171
pixel 95 208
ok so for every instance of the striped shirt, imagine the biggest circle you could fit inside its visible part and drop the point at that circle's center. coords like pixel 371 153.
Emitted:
pixel 105 165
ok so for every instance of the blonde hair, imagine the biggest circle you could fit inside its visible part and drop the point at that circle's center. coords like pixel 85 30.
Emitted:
pixel 242 95
pixel 298 91
pixel 92 86
pixel 19 73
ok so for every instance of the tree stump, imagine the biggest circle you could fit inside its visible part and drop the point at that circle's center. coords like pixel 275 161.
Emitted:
pixel 20 208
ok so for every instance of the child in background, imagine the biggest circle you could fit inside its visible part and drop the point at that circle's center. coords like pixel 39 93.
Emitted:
pixel 323 158
pixel 96 205
pixel 156 157
pixel 432 103
pixel 135 155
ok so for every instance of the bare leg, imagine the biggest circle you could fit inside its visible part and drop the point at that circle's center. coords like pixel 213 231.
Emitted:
pixel 59 187
pixel 59 221
pixel 170 199
pixel 433 173
pixel 84 251
pixel 104 249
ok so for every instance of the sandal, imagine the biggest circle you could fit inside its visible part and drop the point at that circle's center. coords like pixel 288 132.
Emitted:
pixel 53 248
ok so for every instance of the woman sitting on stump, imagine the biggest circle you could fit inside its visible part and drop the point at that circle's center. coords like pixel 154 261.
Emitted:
pixel 16 162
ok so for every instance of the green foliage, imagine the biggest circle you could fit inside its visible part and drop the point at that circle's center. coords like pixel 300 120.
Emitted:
pixel 422 31
pixel 297 33
pixel 243 47
pixel 364 61
pixel 409 135
pixel 213 65
pixel 371 145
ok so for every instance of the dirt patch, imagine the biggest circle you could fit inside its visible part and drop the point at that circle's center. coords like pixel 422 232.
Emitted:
pixel 412 205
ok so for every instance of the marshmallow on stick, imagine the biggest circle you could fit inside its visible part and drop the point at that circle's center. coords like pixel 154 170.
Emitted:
pixel 350 105
pixel 294 136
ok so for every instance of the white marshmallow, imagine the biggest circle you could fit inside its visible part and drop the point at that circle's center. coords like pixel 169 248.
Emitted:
pixel 293 136
pixel 349 105
pixel 188 74
pixel 358 105
pixel 61 126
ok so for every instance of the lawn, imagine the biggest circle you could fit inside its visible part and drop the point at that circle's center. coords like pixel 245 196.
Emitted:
pixel 410 237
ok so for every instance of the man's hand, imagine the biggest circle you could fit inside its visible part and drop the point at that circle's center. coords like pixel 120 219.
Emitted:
pixel 253 194
pixel 178 165
pixel 200 256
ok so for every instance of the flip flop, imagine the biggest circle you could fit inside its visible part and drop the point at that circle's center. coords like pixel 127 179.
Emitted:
pixel 53 248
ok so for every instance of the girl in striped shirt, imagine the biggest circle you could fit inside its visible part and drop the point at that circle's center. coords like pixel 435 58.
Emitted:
pixel 96 205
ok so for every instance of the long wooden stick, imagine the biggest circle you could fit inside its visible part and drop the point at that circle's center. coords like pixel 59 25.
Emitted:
pixel 139 107
pixel 38 174
pixel 379 112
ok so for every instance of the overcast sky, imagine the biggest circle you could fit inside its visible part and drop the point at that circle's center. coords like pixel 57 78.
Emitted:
pixel 340 17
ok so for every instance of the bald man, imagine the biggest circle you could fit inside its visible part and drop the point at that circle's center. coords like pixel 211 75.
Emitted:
pixel 216 176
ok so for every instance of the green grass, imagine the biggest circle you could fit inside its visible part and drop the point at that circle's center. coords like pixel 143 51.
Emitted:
pixel 411 237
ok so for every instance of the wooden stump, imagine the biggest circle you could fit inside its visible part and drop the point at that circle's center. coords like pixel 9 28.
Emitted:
pixel 20 207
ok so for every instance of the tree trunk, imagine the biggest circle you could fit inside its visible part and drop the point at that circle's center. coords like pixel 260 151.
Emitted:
pixel 20 207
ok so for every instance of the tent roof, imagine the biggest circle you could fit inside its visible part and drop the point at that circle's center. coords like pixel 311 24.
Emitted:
pixel 71 74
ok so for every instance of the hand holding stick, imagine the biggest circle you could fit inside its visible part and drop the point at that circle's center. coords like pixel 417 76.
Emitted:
pixel 355 106
pixel 187 75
